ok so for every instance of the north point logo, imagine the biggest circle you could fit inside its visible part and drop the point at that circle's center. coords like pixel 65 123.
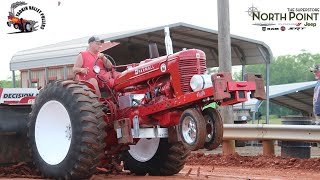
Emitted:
pixel 257 15
pixel 17 19
pixel 264 19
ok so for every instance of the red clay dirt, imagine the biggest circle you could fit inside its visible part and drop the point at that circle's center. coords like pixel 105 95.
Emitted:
pixel 211 166
pixel 20 170
pixel 260 161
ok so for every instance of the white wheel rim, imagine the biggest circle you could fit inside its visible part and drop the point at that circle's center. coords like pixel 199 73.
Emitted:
pixel 145 149
pixel 189 130
pixel 53 132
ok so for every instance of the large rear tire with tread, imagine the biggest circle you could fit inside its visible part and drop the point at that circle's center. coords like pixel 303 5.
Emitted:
pixel 168 160
pixel 66 131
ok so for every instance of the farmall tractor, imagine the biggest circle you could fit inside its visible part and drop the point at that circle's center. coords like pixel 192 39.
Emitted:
pixel 149 117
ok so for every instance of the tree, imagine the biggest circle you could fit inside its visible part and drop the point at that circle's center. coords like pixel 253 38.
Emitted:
pixel 8 83
pixel 288 69
pixel 284 70
pixel 5 84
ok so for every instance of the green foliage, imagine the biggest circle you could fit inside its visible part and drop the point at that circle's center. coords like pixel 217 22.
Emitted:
pixel 5 84
pixel 288 69
pixel 284 70
pixel 277 110
pixel 8 83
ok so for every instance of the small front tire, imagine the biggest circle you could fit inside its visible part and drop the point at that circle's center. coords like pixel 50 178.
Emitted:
pixel 214 128
pixel 192 129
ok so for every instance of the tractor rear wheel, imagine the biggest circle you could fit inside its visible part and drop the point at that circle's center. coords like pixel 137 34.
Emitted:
pixel 66 131
pixel 214 126
pixel 155 156
pixel 192 128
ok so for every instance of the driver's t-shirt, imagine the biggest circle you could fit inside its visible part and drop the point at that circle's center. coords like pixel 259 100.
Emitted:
pixel 88 62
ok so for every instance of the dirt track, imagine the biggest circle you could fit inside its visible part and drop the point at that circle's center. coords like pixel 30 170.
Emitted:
pixel 208 165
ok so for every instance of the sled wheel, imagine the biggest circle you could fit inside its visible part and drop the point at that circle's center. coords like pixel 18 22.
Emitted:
pixel 214 126
pixel 156 157
pixel 192 129
pixel 66 131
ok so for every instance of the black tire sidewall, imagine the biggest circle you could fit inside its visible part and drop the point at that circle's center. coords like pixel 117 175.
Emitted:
pixel 142 168
pixel 162 163
pixel 216 125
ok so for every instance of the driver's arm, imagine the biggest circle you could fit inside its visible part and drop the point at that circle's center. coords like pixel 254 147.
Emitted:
pixel 77 68
pixel 106 62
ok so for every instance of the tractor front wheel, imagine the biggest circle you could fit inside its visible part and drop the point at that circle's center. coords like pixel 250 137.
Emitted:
pixel 192 129
pixel 66 131
pixel 214 127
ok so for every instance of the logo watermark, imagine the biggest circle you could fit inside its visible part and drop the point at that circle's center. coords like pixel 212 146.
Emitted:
pixel 291 19
pixel 17 19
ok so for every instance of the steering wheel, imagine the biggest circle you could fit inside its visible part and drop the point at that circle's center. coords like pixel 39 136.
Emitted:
pixel 113 62
pixel 97 69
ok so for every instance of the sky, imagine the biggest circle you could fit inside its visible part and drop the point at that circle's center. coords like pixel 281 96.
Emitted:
pixel 75 19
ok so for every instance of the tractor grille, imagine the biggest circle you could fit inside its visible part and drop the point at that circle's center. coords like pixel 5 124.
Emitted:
pixel 188 68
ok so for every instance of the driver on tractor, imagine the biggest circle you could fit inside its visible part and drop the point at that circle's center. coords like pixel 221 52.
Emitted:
pixel 83 67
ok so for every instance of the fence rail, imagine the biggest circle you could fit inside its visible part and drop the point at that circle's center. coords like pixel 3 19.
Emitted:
pixel 309 133
pixel 267 133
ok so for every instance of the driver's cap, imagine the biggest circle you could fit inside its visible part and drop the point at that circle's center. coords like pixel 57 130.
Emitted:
pixel 95 39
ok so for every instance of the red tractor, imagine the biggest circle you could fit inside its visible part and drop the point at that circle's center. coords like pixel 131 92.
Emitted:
pixel 19 23
pixel 149 117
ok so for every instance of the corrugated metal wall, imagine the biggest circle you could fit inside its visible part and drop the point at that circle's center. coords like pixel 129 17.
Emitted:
pixel 24 79
pixel 56 72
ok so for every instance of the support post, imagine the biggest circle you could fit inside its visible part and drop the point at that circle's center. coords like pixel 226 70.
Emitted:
pixel 243 72
pixel 46 71
pixel 224 47
pixel 29 78
pixel 13 79
pixel 267 60
pixel 65 72
pixel 267 92
pixel 268 147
